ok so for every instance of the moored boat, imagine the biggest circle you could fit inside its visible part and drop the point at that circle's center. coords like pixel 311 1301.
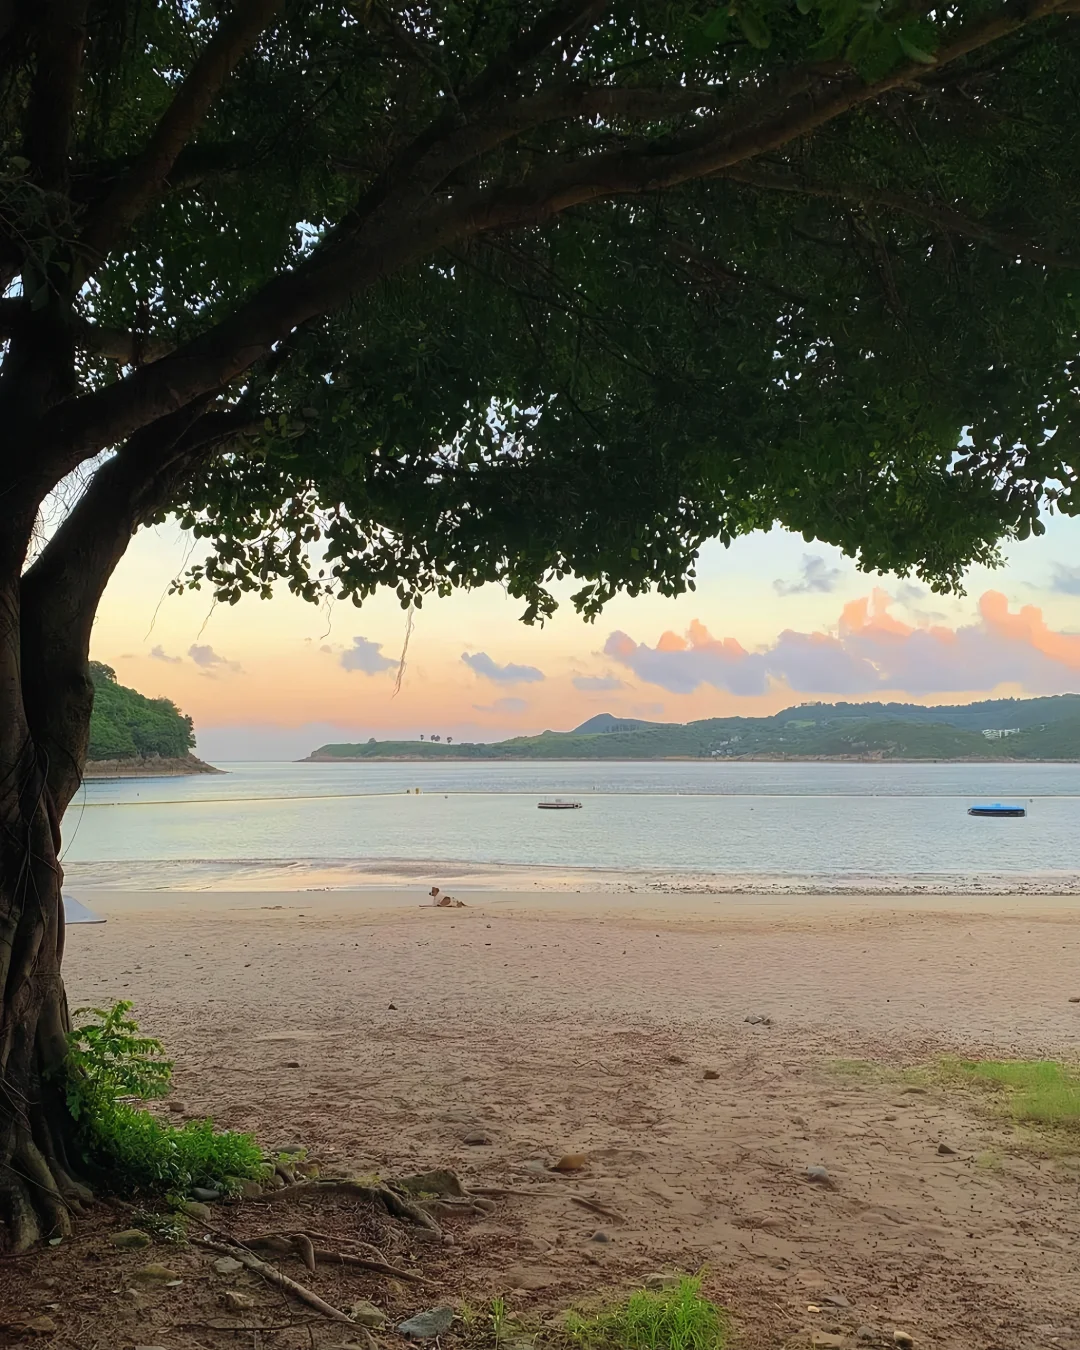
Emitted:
pixel 997 809
pixel 559 805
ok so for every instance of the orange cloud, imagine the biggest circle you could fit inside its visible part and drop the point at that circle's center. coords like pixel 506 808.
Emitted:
pixel 1029 627
pixel 872 652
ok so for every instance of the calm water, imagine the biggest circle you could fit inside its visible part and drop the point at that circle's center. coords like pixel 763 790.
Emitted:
pixel 796 820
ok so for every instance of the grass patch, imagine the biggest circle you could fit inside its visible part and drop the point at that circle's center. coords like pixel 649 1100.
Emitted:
pixel 679 1318
pixel 111 1066
pixel 855 1068
pixel 1033 1092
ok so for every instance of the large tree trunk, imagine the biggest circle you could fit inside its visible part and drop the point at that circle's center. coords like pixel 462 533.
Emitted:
pixel 39 1189
pixel 46 698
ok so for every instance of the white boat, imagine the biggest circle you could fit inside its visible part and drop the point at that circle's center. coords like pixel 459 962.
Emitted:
pixel 558 804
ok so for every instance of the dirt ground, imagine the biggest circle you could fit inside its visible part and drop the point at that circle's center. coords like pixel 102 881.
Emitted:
pixel 382 1037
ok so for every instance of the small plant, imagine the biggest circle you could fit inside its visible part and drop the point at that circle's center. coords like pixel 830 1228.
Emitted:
pixel 679 1318
pixel 110 1063
pixel 110 1059
pixel 498 1314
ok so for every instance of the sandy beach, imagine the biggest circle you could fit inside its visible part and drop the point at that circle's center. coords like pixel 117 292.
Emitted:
pixel 381 1034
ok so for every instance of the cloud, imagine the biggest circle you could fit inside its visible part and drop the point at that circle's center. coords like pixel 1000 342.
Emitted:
pixel 871 652
pixel 817 575
pixel 597 684
pixel 503 705
pixel 682 665
pixel 209 660
pixel 1066 580
pixel 483 665
pixel 159 653
pixel 366 656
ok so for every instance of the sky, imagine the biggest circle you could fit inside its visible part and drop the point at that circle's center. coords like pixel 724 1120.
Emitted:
pixel 774 622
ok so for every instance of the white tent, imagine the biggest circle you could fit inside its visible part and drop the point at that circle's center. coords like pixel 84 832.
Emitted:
pixel 76 912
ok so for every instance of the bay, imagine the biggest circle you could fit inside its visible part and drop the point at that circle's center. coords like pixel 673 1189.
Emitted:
pixel 796 820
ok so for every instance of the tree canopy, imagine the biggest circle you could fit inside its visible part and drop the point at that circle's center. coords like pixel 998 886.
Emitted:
pixel 505 289
pixel 127 725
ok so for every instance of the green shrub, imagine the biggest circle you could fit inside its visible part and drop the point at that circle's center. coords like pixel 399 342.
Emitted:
pixel 669 1319
pixel 109 1063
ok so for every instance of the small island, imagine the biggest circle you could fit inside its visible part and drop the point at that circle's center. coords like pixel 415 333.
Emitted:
pixel 1033 729
pixel 132 736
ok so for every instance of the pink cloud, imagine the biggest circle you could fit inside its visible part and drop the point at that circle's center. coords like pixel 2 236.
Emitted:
pixel 871 651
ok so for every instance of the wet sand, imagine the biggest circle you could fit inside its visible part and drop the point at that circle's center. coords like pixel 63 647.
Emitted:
pixel 381 1033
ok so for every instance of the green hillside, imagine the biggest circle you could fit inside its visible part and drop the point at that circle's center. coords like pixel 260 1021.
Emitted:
pixel 1049 729
pixel 127 725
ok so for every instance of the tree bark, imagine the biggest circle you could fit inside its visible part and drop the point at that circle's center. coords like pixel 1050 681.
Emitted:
pixel 39 1191
pixel 46 699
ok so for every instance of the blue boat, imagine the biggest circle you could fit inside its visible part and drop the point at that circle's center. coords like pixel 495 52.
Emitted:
pixel 996 810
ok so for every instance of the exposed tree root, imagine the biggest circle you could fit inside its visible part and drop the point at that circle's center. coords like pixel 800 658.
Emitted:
pixel 598 1208
pixel 303 1245
pixel 268 1272
pixel 394 1204
pixel 38 1195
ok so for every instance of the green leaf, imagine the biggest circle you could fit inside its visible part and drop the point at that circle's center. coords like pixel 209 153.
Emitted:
pixel 805 6
pixel 754 28
pixel 915 53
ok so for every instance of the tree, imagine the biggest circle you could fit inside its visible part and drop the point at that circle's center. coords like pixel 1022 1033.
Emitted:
pixel 370 292
pixel 127 725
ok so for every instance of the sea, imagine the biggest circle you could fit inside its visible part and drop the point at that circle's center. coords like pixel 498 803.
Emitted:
pixel 674 825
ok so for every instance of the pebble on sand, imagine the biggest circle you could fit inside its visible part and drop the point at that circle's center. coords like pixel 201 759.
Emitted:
pixel 367 1315
pixel 426 1326
pixel 477 1137
pixel 818 1175
pixel 661 1280
pixel 946 1150
pixel 228 1265
pixel 571 1162
pixel 131 1238
pixel 154 1273
pixel 710 1076
pixel 41 1325
pixel 903 1339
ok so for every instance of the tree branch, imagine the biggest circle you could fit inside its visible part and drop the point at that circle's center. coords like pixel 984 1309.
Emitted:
pixel 143 184
pixel 130 349
pixel 61 591
pixel 396 234
pixel 945 218
pixel 58 49
pixel 561 21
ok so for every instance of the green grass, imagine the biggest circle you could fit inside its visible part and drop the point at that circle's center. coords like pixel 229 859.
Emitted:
pixel 679 1318
pixel 1035 1092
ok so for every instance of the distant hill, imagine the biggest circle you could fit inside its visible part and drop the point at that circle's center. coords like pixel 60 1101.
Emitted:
pixel 605 722
pixel 1043 728
pixel 130 731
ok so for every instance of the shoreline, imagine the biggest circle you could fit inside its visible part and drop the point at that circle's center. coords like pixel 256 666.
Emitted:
pixel 303 876
pixel 178 767
pixel 668 759
pixel 682 912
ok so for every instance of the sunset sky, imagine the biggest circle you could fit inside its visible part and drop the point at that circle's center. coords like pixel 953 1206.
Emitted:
pixel 774 621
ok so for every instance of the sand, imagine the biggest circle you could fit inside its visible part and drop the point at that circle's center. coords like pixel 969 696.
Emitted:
pixel 381 1034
